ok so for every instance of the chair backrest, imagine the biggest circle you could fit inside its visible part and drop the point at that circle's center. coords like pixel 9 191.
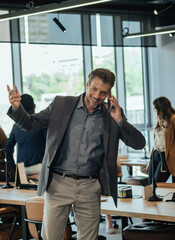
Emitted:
pixel 34 212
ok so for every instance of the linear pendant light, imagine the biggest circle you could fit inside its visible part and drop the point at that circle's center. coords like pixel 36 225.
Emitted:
pixel 48 8
pixel 151 33
pixel 163 8
pixel 59 24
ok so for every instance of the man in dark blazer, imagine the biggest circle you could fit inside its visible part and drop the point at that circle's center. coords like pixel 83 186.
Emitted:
pixel 81 151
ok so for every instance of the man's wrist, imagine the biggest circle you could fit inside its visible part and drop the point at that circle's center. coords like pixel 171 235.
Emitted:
pixel 14 109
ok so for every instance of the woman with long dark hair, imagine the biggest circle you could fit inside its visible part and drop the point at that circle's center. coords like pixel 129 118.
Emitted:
pixel 163 154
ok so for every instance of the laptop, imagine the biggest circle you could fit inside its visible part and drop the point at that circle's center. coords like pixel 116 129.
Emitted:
pixel 10 172
pixel 21 180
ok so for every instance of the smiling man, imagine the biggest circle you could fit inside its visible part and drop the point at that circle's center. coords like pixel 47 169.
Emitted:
pixel 81 151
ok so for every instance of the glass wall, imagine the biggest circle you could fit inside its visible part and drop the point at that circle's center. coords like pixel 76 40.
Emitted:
pixel 103 57
pixel 6 78
pixel 54 70
pixel 134 85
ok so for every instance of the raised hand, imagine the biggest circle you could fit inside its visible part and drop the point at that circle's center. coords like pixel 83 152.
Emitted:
pixel 14 96
pixel 116 110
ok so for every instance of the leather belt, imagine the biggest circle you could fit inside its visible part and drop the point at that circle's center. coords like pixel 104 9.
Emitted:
pixel 75 176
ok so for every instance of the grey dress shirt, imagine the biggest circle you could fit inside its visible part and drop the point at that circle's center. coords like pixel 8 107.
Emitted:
pixel 82 149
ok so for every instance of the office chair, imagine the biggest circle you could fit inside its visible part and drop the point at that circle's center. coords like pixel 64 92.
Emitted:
pixel 10 231
pixel 34 213
pixel 149 230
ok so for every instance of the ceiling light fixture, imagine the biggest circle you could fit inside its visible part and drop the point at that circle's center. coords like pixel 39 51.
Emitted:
pixel 163 8
pixel 48 8
pixel 59 24
pixel 172 34
pixel 151 33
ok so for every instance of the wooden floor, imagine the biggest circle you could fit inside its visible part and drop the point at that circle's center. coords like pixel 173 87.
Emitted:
pixel 118 233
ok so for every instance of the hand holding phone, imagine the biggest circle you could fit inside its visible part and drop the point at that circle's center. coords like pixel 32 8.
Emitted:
pixel 110 106
pixel 113 108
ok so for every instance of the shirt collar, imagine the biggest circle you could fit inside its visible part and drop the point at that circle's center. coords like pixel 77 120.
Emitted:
pixel 81 103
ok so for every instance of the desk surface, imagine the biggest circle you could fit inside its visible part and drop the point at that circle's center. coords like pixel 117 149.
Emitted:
pixel 16 196
pixel 134 162
pixel 135 207
pixel 140 208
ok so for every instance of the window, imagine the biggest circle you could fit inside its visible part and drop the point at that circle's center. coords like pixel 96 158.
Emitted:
pixel 6 78
pixel 134 85
pixel 54 70
pixel 103 57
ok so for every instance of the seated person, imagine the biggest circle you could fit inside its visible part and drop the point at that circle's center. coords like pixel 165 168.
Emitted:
pixel 3 140
pixel 30 145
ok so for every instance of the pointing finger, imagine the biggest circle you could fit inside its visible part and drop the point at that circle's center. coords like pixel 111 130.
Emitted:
pixel 8 88
pixel 16 89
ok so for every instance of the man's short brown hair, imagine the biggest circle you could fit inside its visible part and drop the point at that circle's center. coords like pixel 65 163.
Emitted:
pixel 104 74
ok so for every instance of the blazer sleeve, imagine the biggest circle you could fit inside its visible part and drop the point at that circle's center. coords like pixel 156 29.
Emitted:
pixel 130 135
pixel 30 122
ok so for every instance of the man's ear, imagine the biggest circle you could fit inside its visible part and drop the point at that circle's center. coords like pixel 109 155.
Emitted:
pixel 87 84
pixel 109 93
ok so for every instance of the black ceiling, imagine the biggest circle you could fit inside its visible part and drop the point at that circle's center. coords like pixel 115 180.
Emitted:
pixel 139 7
pixel 115 5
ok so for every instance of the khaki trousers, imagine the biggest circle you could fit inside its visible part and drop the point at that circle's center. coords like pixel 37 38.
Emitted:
pixel 62 194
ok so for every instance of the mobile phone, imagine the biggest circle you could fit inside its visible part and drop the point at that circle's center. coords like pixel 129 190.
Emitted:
pixel 110 106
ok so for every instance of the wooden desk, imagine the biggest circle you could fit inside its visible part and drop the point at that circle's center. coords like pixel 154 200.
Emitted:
pixel 17 197
pixel 139 208
pixel 133 162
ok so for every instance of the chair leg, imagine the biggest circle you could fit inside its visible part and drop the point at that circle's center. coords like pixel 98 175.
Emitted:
pixel 12 228
pixel 130 219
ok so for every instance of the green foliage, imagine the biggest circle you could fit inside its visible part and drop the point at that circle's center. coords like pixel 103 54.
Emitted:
pixel 133 71
pixel 57 83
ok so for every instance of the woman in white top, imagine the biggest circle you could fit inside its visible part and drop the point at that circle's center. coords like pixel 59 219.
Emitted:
pixel 163 154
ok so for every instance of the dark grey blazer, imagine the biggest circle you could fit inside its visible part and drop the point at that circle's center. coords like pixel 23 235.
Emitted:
pixel 56 117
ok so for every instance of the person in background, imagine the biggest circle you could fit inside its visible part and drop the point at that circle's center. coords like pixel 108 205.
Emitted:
pixel 81 151
pixel 30 145
pixel 163 153
pixel 3 140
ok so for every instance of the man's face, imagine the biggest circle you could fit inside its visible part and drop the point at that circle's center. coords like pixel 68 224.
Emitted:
pixel 96 93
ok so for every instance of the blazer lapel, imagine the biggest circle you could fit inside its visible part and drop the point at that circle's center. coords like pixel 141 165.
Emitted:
pixel 106 130
pixel 69 107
